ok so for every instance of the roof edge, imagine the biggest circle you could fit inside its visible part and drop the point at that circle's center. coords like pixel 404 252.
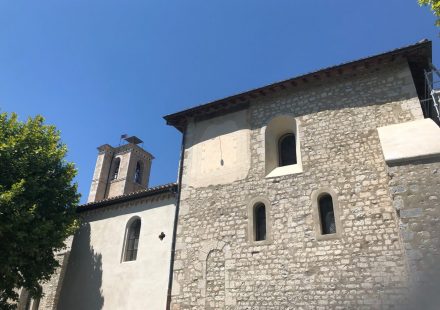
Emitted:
pixel 178 119
pixel 157 190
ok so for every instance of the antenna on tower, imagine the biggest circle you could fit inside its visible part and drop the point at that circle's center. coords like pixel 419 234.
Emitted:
pixel 122 137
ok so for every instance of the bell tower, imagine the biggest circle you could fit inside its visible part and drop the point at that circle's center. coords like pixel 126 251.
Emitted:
pixel 120 170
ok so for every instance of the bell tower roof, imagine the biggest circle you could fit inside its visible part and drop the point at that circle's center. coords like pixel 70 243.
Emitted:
pixel 133 139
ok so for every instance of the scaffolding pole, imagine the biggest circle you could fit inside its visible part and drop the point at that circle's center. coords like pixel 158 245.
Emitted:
pixel 432 88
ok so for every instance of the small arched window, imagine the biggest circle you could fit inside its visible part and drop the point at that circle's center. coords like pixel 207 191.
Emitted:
pixel 132 240
pixel 138 173
pixel 287 150
pixel 260 222
pixel 115 171
pixel 326 214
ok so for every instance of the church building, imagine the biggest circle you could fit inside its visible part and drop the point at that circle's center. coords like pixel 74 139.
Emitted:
pixel 317 192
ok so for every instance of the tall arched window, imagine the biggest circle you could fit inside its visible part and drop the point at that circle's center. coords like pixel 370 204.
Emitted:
pixel 287 150
pixel 326 214
pixel 132 240
pixel 138 173
pixel 260 222
pixel 115 171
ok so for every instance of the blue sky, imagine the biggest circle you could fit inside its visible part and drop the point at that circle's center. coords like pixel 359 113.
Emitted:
pixel 99 69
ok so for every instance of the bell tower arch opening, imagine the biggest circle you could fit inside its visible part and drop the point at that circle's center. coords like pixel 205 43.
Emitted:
pixel 120 170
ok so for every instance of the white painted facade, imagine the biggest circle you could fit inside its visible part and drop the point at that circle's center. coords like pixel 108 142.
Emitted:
pixel 98 278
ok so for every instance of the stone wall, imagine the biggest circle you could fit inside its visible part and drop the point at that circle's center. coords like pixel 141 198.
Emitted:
pixel 215 280
pixel 364 268
pixel 415 189
pixel 52 288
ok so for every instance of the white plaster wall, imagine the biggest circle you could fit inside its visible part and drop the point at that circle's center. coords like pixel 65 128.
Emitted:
pixel 218 150
pixel 96 277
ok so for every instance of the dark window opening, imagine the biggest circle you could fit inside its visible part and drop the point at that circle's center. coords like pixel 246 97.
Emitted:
pixel 132 240
pixel 260 222
pixel 287 150
pixel 327 215
pixel 116 169
pixel 138 173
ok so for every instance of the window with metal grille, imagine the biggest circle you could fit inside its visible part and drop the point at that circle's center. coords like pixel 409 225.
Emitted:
pixel 138 173
pixel 260 222
pixel 132 242
pixel 115 171
pixel 287 150
pixel 326 214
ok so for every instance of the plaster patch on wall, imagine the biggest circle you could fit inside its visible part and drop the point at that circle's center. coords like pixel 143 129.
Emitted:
pixel 219 150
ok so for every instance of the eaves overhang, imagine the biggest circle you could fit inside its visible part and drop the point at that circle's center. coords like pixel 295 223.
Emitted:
pixel 418 55
pixel 150 192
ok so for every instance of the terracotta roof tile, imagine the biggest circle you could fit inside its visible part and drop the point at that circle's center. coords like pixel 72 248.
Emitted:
pixel 157 190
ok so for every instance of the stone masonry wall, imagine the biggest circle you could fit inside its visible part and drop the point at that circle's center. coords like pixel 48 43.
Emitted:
pixel 340 149
pixel 415 189
pixel 52 288
pixel 215 280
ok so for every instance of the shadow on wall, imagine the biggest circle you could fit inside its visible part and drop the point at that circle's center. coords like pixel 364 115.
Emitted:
pixel 415 193
pixel 424 293
pixel 82 283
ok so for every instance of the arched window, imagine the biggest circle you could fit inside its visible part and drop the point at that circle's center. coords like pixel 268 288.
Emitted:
pixel 115 171
pixel 132 240
pixel 138 173
pixel 287 150
pixel 282 146
pixel 260 222
pixel 326 214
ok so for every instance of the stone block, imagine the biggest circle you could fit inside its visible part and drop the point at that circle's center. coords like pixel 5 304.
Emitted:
pixel 409 213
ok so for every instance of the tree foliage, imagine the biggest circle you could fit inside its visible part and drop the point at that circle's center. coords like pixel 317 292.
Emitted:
pixel 37 204
pixel 435 8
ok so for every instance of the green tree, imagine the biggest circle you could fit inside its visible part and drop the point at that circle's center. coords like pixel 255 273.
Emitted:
pixel 37 204
pixel 435 8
